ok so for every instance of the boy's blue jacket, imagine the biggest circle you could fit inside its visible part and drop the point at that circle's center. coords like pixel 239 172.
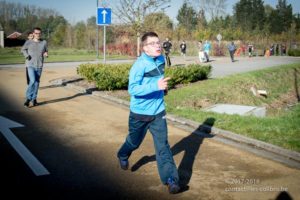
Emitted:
pixel 146 98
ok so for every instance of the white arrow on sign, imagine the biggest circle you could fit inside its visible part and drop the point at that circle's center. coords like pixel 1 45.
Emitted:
pixel 104 16
pixel 28 157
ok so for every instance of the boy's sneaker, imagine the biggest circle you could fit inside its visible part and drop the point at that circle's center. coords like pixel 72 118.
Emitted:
pixel 124 164
pixel 26 104
pixel 34 103
pixel 173 187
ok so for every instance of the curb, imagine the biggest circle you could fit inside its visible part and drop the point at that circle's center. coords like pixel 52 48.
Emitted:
pixel 262 149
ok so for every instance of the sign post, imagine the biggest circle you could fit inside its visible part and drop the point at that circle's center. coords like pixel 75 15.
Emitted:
pixel 219 37
pixel 1 37
pixel 103 19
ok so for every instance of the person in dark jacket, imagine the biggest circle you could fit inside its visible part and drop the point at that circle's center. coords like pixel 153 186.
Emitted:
pixel 167 45
pixel 183 48
pixel 232 49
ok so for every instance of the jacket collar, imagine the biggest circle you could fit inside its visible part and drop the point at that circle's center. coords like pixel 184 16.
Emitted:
pixel 151 59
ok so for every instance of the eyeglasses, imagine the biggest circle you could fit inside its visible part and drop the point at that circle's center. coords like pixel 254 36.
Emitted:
pixel 153 44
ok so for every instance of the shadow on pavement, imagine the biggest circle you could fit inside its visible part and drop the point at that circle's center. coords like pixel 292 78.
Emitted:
pixel 50 86
pixel 61 99
pixel 73 174
pixel 61 82
pixel 190 145
pixel 284 196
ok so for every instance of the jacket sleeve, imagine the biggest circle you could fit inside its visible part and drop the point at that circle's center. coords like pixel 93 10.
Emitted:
pixel 135 86
pixel 24 49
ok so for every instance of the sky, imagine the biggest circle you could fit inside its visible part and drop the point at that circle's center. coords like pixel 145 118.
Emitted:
pixel 80 10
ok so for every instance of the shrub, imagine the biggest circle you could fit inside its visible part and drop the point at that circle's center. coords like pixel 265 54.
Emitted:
pixel 218 50
pixel 120 49
pixel 115 76
pixel 106 76
pixel 87 71
pixel 294 52
pixel 188 74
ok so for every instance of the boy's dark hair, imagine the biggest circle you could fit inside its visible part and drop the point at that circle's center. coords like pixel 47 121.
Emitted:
pixel 29 32
pixel 148 34
pixel 37 28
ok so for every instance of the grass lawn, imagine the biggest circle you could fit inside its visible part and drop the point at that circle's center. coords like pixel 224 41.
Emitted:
pixel 14 55
pixel 280 127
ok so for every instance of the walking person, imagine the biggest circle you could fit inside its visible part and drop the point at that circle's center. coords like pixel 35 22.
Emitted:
pixel 29 37
pixel 207 48
pixel 250 50
pixel 183 49
pixel 232 49
pixel 34 51
pixel 167 45
pixel 202 57
pixel 147 87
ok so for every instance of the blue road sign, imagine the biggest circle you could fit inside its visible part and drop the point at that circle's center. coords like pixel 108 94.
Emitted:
pixel 103 16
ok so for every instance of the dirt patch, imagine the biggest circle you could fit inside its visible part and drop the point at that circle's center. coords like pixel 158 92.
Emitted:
pixel 198 103
pixel 284 103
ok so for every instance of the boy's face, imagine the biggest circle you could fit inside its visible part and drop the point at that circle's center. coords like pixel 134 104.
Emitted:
pixel 30 36
pixel 152 46
pixel 37 34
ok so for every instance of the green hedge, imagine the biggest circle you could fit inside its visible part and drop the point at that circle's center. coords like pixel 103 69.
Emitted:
pixel 188 74
pixel 115 76
pixel 294 52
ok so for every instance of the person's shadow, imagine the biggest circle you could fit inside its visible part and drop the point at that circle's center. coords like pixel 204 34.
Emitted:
pixel 284 196
pixel 62 99
pixel 190 145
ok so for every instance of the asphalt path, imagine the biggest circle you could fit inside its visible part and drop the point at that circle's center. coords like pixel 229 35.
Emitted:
pixel 75 137
pixel 224 67
pixel 221 66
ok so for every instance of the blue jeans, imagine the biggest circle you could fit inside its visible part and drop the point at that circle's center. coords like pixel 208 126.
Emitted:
pixel 158 128
pixel 232 55
pixel 34 82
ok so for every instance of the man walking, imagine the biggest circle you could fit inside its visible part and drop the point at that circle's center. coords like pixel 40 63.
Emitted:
pixel 231 49
pixel 167 45
pixel 34 51
pixel 147 111
pixel 183 48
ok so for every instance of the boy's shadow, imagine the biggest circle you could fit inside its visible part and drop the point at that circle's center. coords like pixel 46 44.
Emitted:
pixel 190 146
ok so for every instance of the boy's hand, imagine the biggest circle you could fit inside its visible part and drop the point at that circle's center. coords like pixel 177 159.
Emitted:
pixel 163 83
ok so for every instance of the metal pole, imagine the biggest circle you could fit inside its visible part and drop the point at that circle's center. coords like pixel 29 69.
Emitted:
pixel 97 35
pixel 138 45
pixel 97 43
pixel 104 43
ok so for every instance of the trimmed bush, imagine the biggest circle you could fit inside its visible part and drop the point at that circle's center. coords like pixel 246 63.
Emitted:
pixel 115 76
pixel 188 74
pixel 294 52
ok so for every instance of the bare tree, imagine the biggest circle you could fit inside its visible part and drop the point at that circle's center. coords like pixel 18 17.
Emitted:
pixel 214 8
pixel 133 12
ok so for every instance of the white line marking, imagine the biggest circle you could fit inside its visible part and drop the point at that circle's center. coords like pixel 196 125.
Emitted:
pixel 28 157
